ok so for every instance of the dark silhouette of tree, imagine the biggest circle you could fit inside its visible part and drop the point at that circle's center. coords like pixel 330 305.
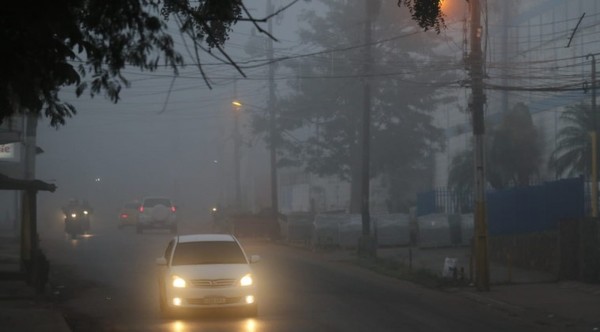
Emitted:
pixel 320 122
pixel 52 44
pixel 513 157
pixel 515 150
pixel 427 13
pixel 461 175
pixel 572 155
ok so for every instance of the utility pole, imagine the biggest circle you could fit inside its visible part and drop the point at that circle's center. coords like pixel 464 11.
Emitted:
pixel 271 102
pixel 368 244
pixel 506 7
pixel 29 241
pixel 594 138
pixel 478 99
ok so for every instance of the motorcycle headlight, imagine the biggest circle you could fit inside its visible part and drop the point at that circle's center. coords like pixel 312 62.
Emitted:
pixel 73 215
pixel 178 282
pixel 246 280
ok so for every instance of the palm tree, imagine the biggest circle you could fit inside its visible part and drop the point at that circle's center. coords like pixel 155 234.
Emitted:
pixel 572 156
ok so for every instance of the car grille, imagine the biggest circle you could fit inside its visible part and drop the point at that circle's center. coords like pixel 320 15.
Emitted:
pixel 209 301
pixel 205 283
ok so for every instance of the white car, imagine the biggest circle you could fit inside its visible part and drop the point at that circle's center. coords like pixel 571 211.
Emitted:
pixel 206 271
pixel 157 212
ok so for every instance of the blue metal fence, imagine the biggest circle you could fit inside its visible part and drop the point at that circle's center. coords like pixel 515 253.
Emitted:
pixel 535 208
pixel 442 200
pixel 515 210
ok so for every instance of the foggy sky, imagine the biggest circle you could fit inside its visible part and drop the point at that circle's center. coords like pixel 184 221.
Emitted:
pixel 111 153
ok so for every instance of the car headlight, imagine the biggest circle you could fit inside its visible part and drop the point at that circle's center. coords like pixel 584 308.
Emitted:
pixel 73 215
pixel 85 212
pixel 246 280
pixel 178 282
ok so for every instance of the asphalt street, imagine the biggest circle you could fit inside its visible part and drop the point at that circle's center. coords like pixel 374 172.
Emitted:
pixel 107 282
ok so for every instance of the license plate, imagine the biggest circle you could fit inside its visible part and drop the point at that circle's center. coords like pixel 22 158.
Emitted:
pixel 214 300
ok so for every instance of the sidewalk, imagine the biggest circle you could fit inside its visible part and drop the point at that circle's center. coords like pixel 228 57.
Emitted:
pixel 21 310
pixel 568 305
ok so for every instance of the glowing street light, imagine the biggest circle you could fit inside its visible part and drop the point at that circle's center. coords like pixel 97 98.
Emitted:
pixel 237 140
pixel 453 8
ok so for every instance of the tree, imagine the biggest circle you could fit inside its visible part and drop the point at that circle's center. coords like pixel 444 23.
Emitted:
pixel 572 155
pixel 513 157
pixel 427 13
pixel 461 175
pixel 52 44
pixel 320 120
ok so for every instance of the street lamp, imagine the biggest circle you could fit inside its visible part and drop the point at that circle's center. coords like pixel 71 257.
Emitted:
pixel 236 153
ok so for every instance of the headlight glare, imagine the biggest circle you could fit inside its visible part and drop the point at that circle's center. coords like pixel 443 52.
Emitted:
pixel 178 282
pixel 246 280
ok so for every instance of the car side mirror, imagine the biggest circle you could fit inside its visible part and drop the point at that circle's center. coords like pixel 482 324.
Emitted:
pixel 254 258
pixel 161 261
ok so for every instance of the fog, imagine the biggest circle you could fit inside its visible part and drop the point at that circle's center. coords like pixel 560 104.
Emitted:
pixel 415 202
pixel 161 140
pixel 175 137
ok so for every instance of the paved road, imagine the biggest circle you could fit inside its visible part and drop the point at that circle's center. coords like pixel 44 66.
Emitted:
pixel 107 282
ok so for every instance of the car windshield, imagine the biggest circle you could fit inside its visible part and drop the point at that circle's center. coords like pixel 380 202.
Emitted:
pixel 131 206
pixel 151 202
pixel 209 252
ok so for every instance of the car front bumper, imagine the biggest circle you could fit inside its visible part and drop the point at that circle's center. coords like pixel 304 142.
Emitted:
pixel 198 297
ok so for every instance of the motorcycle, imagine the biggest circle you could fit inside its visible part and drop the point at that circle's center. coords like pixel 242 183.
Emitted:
pixel 85 218
pixel 77 222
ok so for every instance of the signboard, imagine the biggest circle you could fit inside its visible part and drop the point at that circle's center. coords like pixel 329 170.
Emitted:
pixel 10 152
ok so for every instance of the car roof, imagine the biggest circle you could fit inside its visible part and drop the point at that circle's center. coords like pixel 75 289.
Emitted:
pixel 204 238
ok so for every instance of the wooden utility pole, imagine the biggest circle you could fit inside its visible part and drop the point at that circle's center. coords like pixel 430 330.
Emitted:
pixel 272 128
pixel 366 125
pixel 482 277
pixel 594 138
pixel 368 243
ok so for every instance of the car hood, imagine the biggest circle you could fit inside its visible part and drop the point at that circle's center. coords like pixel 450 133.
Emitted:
pixel 211 271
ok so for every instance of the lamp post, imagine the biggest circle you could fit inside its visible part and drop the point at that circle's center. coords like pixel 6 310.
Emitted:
pixel 237 139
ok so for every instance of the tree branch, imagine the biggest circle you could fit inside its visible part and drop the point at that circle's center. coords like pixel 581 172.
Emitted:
pixel 261 30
